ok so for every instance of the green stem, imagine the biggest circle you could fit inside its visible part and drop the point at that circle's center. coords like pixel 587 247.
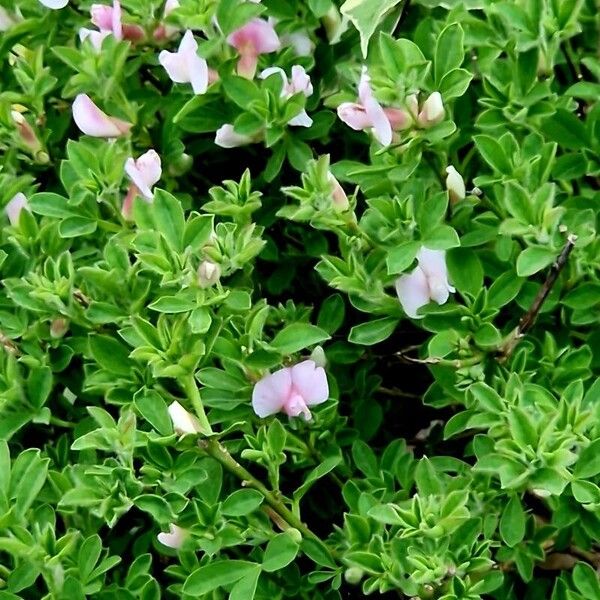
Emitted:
pixel 191 389
pixel 215 449
pixel 60 422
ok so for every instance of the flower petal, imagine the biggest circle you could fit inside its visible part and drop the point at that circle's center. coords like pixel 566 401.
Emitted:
pixel 257 34
pixel 227 137
pixel 272 392
pixel 92 121
pixel 183 421
pixel 354 115
pixel 174 539
pixel 54 4
pixel 413 292
pixel 14 207
pixel 455 184
pixel 301 120
pixel 144 172
pixel 311 382
pixel 300 81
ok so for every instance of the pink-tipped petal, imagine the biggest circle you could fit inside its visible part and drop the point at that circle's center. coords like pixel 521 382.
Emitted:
pixel 227 137
pixel 272 392
pixel 116 26
pixel 296 406
pixel 257 34
pixel 247 64
pixel 300 81
pixel 144 172
pixel 399 119
pixel 92 121
pixel 14 207
pixel 310 382
pixel 413 292
pixel 54 4
pixel 382 130
pixel 102 16
pixel 127 208
pixel 354 115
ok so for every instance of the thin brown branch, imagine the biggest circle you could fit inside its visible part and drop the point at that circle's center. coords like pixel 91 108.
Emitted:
pixel 528 319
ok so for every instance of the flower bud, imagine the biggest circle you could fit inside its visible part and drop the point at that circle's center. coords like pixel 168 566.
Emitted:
pixel 432 111
pixel 455 184
pixel 208 274
pixel 353 575
pixel 183 421
pixel 318 357
pixel 26 132
pixel 59 327
pixel 294 534
pixel 338 195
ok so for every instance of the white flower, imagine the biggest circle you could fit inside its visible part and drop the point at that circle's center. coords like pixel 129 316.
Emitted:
pixel 144 172
pixel 455 184
pixel 429 281
pixel 185 66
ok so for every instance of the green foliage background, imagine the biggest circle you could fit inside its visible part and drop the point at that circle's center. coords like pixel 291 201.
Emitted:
pixel 470 472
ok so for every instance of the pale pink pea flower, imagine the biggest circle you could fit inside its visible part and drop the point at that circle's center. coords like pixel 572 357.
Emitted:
pixel 185 66
pixel 143 172
pixel 109 18
pixel 175 538
pixel 14 207
pixel 428 281
pixel 95 122
pixel 298 83
pixel 94 37
pixel 369 114
pixel 291 390
pixel 253 39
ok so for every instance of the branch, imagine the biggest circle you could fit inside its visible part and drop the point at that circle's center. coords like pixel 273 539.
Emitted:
pixel 528 319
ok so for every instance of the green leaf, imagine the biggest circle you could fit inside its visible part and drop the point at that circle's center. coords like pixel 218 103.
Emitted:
pixel 51 205
pixel 493 154
pixel 366 15
pixel 588 463
pixel 174 304
pixel 449 51
pixel 153 408
pixel 401 257
pixel 586 581
pixel 297 336
pixel 156 506
pixel 110 354
pixel 534 259
pixel 512 522
pixel 373 332
pixel 169 218
pixel 240 90
pixel 566 129
pixel 584 296
pixel 331 315
pixel 321 470
pixel 88 555
pixel 454 83
pixel 280 552
pixel 75 226
pixel 245 588
pixel 216 574
pixel 465 270
pixel 242 502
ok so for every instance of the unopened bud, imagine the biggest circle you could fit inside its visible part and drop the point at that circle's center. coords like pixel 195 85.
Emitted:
pixel 208 273
pixel 318 357
pixel 455 184
pixel 183 421
pixel 182 165
pixel 294 534
pixel 432 111
pixel 26 132
pixel 338 195
pixel 59 327
pixel 353 575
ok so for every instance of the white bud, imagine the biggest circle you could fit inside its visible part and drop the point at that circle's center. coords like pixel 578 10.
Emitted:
pixel 455 184
pixel 208 273
pixel 183 421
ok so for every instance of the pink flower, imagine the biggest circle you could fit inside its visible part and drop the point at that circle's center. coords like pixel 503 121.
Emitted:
pixel 174 539
pixel 108 18
pixel 95 37
pixel 429 281
pixel 14 207
pixel 144 172
pixel 92 121
pixel 163 31
pixel 253 39
pixel 185 66
pixel 183 421
pixel 54 4
pixel 291 390
pixel 227 137
pixel 432 111
pixel 299 83
pixel 368 114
